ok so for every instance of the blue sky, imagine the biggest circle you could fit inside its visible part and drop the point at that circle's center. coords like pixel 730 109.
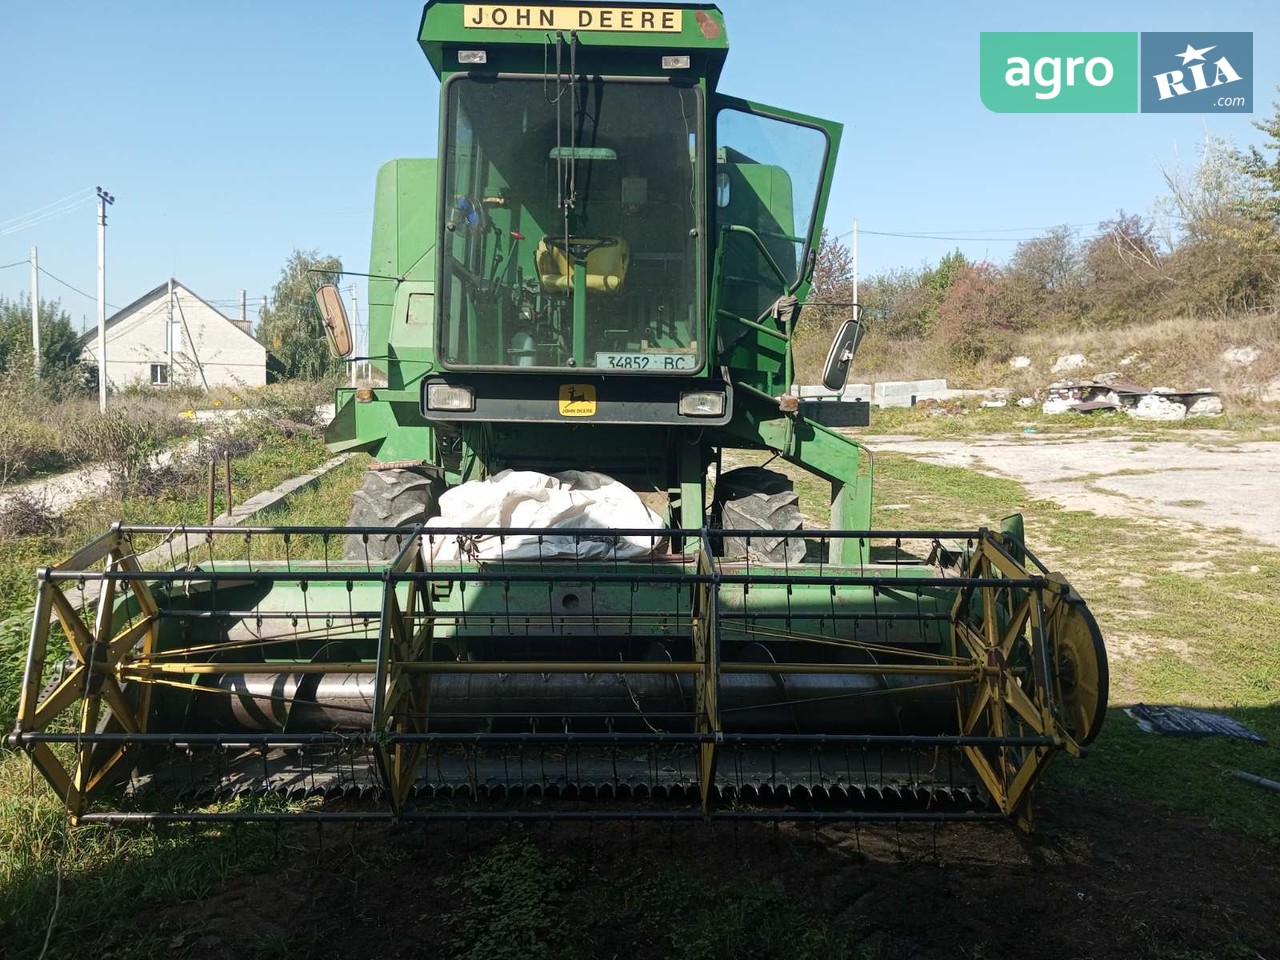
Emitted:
pixel 233 132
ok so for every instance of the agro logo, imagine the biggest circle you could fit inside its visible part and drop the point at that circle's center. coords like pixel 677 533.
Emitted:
pixel 1059 72
pixel 1197 73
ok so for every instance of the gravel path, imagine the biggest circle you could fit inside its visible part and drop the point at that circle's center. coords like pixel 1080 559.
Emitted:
pixel 1214 484
pixel 66 489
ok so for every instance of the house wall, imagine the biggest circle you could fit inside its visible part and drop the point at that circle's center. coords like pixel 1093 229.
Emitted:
pixel 228 355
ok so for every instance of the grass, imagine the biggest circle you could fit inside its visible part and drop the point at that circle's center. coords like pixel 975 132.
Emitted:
pixel 520 901
pixel 1191 617
pixel 276 460
pixel 1207 641
pixel 106 874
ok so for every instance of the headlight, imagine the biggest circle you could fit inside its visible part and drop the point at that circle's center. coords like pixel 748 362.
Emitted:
pixel 442 396
pixel 702 403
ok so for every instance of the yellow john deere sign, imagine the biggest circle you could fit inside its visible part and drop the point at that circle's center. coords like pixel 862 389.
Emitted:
pixel 536 17
pixel 577 400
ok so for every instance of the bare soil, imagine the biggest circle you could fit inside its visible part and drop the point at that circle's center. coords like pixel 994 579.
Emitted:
pixel 1099 878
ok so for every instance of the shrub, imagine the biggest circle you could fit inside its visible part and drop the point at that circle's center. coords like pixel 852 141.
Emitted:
pixel 126 442
pixel 26 447
pixel 26 514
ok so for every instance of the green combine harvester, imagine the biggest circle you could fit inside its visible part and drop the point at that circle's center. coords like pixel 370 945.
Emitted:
pixel 584 311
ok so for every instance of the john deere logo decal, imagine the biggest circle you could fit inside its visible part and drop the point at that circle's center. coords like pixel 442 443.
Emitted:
pixel 577 400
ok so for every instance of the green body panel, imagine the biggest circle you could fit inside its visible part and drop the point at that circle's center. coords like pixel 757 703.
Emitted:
pixel 404 235
pixel 748 256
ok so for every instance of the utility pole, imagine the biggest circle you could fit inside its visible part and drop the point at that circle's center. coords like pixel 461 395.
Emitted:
pixel 35 310
pixel 355 336
pixel 168 335
pixel 244 309
pixel 855 260
pixel 104 199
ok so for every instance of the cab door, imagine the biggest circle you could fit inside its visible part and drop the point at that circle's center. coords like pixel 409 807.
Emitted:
pixel 771 180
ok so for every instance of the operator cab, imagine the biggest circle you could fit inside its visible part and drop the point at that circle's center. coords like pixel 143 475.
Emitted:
pixel 574 239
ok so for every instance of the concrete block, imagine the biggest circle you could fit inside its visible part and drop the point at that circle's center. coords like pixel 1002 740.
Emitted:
pixel 902 393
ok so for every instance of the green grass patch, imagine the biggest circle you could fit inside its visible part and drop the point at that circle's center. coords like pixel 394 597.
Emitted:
pixel 1208 639
pixel 1191 617
pixel 106 874
pixel 97 876
pixel 521 901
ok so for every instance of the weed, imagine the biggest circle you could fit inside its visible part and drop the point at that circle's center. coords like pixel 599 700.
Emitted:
pixel 26 513
pixel 509 905
pixel 751 920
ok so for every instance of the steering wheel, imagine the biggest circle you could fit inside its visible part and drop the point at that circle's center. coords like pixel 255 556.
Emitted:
pixel 579 247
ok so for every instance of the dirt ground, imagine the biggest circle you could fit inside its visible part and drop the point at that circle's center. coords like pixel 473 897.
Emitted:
pixel 1198 478
pixel 1100 878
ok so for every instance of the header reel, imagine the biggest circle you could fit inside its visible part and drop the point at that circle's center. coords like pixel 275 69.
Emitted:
pixel 684 685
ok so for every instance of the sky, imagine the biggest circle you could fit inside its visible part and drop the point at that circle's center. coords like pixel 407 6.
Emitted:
pixel 233 132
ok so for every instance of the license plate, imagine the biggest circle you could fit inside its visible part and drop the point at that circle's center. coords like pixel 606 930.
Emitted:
pixel 646 361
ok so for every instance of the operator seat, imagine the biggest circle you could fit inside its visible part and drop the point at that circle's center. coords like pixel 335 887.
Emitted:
pixel 607 259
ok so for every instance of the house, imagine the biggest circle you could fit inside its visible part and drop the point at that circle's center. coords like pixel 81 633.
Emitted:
pixel 170 335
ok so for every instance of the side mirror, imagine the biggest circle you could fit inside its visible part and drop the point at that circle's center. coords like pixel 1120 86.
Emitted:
pixel 835 372
pixel 334 314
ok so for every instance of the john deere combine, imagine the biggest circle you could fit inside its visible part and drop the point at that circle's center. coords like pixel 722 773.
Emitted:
pixel 594 289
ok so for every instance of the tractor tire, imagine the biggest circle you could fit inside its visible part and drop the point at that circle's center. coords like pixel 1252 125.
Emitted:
pixel 753 498
pixel 397 497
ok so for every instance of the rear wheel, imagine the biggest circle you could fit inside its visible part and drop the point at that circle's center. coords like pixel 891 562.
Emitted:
pixel 390 496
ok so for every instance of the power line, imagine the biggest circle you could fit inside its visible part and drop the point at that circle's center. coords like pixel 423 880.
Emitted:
pixel 16 263
pixel 36 221
pixel 954 234
pixel 87 296
pixel 35 218
pixel 45 206
pixel 931 236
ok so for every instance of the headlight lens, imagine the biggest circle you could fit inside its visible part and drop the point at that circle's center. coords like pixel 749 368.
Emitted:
pixel 444 396
pixel 702 403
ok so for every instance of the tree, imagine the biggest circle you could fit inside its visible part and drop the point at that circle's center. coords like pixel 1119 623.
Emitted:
pixel 939 278
pixel 832 286
pixel 1045 279
pixel 1125 271
pixel 1052 262
pixel 973 322
pixel 1224 253
pixel 1266 173
pixel 291 328
pixel 59 342
pixel 904 303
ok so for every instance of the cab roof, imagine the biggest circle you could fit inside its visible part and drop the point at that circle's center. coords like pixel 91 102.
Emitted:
pixel 612 36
